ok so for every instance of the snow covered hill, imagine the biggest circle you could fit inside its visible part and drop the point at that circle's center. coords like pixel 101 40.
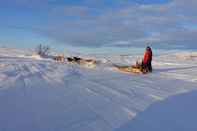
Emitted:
pixel 43 95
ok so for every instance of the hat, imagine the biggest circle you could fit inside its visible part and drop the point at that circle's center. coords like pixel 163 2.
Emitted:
pixel 148 48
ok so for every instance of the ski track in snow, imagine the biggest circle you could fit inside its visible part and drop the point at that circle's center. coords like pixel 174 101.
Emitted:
pixel 46 96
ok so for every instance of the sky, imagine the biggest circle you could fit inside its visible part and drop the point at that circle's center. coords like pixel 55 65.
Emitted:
pixel 166 24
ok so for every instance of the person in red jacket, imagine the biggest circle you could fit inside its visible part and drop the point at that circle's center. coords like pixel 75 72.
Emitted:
pixel 147 60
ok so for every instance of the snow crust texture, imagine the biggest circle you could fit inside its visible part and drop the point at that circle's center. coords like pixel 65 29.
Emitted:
pixel 43 95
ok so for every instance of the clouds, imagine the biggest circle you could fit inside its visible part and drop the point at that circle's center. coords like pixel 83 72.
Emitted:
pixel 116 23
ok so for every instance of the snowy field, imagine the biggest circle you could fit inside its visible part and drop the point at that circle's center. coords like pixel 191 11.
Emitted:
pixel 39 94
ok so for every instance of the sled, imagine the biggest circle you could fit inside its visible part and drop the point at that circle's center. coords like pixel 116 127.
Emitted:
pixel 130 69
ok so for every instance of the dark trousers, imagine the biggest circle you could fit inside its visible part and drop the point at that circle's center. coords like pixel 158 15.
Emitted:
pixel 147 66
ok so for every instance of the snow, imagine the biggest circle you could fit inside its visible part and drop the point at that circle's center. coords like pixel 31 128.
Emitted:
pixel 177 113
pixel 33 56
pixel 38 94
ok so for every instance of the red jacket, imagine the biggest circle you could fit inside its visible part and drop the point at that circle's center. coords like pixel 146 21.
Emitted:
pixel 147 57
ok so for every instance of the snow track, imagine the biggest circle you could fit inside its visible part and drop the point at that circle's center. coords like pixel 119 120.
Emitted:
pixel 46 96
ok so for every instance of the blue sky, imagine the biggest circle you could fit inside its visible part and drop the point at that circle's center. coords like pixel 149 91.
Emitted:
pixel 165 24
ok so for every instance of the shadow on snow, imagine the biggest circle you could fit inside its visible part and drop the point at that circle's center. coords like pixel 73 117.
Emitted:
pixel 177 113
